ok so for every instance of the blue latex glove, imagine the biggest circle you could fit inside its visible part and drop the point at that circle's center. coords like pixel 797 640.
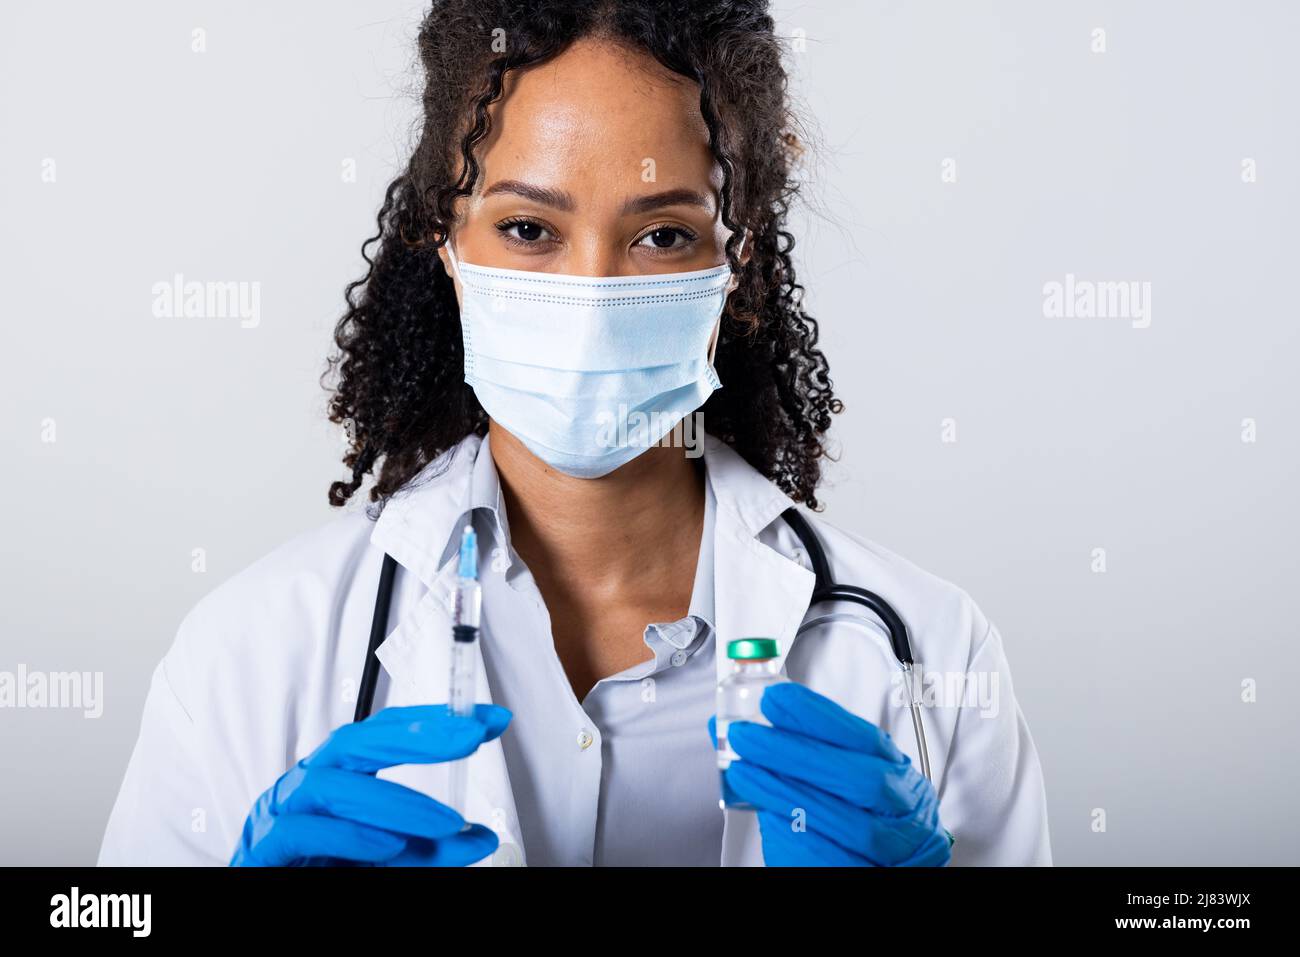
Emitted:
pixel 331 809
pixel 864 804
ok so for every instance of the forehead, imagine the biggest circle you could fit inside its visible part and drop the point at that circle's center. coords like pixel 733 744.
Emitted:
pixel 598 115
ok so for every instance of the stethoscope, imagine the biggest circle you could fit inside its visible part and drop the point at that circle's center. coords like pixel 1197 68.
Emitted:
pixel 824 590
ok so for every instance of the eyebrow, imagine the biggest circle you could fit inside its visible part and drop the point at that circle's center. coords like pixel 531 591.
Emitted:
pixel 561 200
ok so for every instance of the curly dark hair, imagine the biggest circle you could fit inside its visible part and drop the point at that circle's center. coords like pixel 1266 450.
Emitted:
pixel 400 390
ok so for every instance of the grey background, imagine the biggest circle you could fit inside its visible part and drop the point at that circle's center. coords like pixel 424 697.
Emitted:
pixel 174 434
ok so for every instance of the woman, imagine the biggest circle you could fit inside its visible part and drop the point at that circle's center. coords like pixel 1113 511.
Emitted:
pixel 589 240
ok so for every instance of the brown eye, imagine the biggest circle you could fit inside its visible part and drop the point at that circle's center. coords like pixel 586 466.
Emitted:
pixel 666 237
pixel 663 238
pixel 523 230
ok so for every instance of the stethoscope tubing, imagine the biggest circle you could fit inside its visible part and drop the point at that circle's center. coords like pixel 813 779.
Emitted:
pixel 825 589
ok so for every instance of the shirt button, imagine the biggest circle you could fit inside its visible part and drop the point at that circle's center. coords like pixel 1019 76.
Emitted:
pixel 585 739
pixel 679 658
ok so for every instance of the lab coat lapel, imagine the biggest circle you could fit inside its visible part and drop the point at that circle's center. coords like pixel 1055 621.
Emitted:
pixel 417 653
pixel 758 592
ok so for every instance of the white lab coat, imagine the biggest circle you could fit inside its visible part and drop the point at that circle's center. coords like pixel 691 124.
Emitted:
pixel 267 665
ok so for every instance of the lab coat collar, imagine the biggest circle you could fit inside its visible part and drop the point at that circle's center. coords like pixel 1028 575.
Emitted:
pixel 741 488
pixel 758 592
pixel 420 525
pixel 485 497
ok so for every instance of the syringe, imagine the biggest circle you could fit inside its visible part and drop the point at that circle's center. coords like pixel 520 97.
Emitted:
pixel 464 650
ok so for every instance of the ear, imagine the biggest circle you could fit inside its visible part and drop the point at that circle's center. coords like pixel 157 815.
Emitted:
pixel 746 249
pixel 451 272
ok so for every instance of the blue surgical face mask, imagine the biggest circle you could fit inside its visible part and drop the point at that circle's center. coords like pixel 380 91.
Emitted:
pixel 589 371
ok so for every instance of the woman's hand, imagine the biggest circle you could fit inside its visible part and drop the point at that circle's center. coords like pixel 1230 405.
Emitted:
pixel 331 809
pixel 831 788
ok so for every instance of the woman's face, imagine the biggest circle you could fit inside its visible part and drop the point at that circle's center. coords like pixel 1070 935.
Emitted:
pixel 598 164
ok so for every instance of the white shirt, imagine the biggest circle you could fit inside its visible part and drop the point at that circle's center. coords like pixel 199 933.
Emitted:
pixel 628 776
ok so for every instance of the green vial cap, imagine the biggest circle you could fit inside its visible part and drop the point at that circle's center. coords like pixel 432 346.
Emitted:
pixel 751 649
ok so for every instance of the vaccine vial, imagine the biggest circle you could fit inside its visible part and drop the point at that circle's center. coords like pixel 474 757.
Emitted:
pixel 753 668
